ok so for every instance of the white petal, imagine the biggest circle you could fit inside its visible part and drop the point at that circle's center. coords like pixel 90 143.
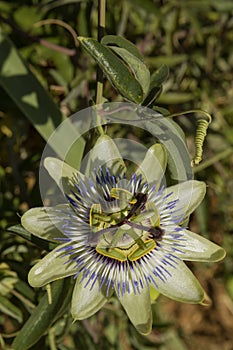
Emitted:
pixel 38 222
pixel 198 248
pixel 62 173
pixel 180 285
pixel 188 194
pixel 138 309
pixel 51 268
pixel 86 302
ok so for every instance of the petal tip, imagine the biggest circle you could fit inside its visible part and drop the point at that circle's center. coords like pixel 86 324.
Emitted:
pixel 144 329
pixel 206 301
pixel 218 255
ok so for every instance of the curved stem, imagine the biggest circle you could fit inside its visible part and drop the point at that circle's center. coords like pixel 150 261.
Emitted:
pixel 206 114
pixel 59 23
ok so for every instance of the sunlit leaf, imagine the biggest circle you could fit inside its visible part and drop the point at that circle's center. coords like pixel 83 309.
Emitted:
pixel 31 98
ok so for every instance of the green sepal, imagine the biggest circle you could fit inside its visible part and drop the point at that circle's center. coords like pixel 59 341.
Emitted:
pixel 154 165
pixel 180 284
pixel 189 192
pixel 62 173
pixel 105 154
pixel 40 224
pixel 198 248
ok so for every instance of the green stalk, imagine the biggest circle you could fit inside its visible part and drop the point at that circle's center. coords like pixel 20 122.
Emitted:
pixel 99 72
pixel 101 30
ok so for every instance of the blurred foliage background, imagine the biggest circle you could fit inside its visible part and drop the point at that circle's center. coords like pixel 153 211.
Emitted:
pixel 194 39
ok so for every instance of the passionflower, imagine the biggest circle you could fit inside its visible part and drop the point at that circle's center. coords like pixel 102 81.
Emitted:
pixel 122 236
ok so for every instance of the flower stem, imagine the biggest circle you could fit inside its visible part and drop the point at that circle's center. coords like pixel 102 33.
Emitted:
pixel 101 30
pixel 99 72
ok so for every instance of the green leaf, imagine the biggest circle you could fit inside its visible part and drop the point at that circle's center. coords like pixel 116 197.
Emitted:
pixel 123 43
pixel 33 101
pixel 25 290
pixel 49 5
pixel 139 69
pixel 170 61
pixel 148 6
pixel 8 279
pixel 42 317
pixel 115 70
pixel 157 78
pixel 7 308
pixel 19 230
pixel 25 16
pixel 175 97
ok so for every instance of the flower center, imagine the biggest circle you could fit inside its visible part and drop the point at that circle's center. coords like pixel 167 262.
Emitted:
pixel 127 228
